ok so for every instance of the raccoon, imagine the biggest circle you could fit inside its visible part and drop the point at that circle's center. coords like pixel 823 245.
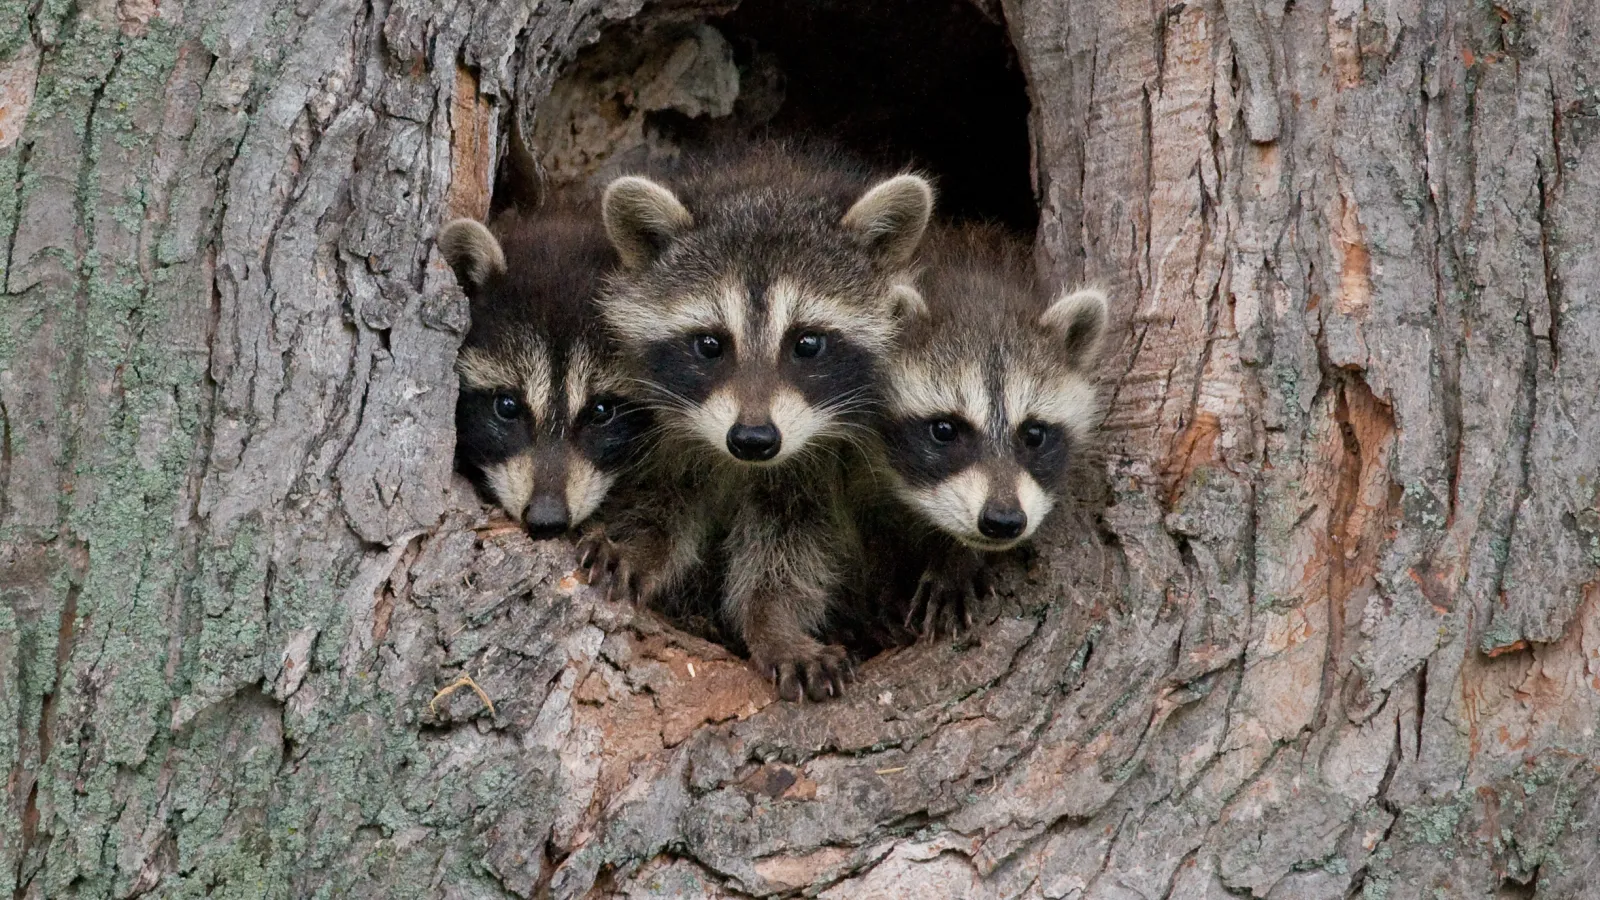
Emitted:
pixel 756 299
pixel 989 394
pixel 544 422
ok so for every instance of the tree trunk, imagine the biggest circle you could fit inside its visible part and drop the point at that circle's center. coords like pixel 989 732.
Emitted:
pixel 1337 632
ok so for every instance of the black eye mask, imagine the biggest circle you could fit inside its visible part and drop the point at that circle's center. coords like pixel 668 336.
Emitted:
pixel 926 451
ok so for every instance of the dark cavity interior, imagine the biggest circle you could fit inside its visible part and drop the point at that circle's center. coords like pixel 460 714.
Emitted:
pixel 933 84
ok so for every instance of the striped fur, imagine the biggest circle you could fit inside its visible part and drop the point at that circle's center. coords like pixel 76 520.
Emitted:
pixel 544 422
pixel 992 365
pixel 759 294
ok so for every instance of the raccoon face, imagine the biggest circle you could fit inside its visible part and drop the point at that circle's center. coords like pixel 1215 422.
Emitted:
pixel 770 369
pixel 980 439
pixel 543 432
pixel 543 423
pixel 758 323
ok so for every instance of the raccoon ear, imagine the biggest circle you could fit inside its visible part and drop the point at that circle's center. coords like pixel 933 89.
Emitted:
pixel 892 216
pixel 1080 317
pixel 642 218
pixel 472 252
pixel 907 302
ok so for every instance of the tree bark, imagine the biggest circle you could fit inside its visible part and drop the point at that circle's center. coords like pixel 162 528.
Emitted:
pixel 1336 634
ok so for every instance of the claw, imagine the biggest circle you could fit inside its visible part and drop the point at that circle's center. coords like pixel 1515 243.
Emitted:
pixel 943 601
pixel 788 683
pixel 595 557
pixel 982 584
pixel 816 673
pixel 838 679
pixel 602 559
pixel 816 689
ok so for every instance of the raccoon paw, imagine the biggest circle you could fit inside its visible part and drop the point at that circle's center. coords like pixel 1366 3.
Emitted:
pixel 602 559
pixel 818 672
pixel 627 584
pixel 597 556
pixel 943 601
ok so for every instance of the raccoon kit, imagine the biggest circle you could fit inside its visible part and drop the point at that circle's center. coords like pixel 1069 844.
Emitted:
pixel 988 394
pixel 756 298
pixel 543 425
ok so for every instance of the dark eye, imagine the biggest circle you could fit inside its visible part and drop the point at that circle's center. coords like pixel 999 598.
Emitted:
pixel 507 407
pixel 810 345
pixel 942 430
pixel 708 346
pixel 1033 435
pixel 601 412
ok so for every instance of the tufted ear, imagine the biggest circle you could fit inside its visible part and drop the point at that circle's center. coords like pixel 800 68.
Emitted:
pixel 907 303
pixel 892 216
pixel 642 219
pixel 1079 317
pixel 472 252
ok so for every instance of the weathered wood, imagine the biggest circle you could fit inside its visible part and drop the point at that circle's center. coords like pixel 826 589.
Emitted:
pixel 1337 634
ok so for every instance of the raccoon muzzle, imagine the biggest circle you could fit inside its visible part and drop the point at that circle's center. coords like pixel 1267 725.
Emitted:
pixel 754 443
pixel 1001 521
pixel 546 517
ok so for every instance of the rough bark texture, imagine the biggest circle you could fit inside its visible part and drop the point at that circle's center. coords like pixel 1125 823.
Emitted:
pixel 1338 633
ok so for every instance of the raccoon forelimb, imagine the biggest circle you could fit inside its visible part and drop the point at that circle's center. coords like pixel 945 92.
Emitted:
pixel 782 573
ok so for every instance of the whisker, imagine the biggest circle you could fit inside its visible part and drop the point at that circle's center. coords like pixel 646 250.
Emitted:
pixel 676 400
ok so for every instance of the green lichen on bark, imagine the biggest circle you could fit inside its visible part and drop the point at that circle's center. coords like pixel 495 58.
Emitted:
pixel 9 195
pixel 73 73
pixel 14 29
pixel 11 711
pixel 1434 824
pixel 130 466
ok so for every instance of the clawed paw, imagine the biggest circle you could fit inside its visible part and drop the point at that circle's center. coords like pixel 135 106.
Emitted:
pixel 942 603
pixel 816 674
pixel 602 560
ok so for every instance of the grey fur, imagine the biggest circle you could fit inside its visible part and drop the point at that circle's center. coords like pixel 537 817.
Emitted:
pixel 771 229
pixel 989 354
pixel 641 216
pixel 472 251
pixel 537 341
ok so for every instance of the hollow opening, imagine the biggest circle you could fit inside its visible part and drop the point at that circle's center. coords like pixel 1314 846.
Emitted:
pixel 933 84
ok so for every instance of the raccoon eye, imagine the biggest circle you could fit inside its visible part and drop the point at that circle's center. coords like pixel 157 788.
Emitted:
pixel 507 407
pixel 708 346
pixel 601 412
pixel 810 345
pixel 942 430
pixel 1033 435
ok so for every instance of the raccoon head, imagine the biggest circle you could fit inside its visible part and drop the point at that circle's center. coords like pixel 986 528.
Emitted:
pixel 983 424
pixel 543 423
pixel 758 315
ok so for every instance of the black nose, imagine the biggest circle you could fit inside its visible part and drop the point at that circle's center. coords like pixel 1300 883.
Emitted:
pixel 754 443
pixel 545 517
pixel 1002 523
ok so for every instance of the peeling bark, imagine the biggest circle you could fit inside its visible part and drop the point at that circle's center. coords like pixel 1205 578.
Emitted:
pixel 1335 634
